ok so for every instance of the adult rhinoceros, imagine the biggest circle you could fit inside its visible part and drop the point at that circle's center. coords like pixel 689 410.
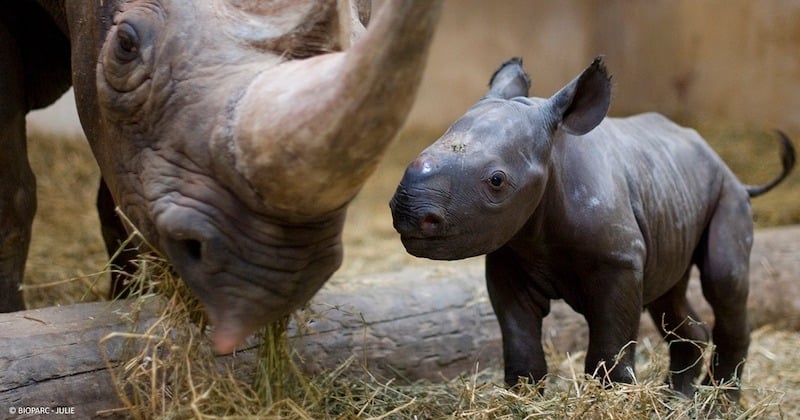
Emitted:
pixel 232 133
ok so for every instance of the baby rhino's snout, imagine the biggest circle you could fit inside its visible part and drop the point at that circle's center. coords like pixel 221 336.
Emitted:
pixel 419 202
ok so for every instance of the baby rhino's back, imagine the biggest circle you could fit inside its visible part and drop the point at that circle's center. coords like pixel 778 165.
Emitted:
pixel 673 180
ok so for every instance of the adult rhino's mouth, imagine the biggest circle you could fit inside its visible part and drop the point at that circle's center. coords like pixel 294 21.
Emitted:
pixel 248 272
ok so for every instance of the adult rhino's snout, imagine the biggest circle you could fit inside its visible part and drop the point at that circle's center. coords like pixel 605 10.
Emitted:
pixel 247 273
pixel 198 253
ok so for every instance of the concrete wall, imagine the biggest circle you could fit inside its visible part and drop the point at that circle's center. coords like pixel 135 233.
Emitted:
pixel 729 61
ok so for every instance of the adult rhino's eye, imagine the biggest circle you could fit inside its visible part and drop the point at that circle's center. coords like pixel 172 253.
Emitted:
pixel 127 59
pixel 127 46
pixel 497 180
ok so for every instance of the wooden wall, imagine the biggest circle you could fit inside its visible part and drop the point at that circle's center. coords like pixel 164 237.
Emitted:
pixel 728 61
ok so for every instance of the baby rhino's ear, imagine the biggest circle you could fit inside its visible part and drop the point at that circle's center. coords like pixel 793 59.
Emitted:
pixel 582 104
pixel 509 81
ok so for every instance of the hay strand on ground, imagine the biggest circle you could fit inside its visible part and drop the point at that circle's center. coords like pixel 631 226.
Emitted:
pixel 169 371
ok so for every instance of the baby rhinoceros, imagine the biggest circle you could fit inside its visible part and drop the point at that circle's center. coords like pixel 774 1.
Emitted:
pixel 608 214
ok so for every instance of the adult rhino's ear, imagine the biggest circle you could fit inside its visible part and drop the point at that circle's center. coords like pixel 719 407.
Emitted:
pixel 509 80
pixel 582 104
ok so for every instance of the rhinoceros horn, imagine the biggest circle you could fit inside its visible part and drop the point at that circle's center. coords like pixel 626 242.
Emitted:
pixel 299 28
pixel 309 132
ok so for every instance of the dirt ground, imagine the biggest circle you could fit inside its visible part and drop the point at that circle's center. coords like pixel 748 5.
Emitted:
pixel 67 257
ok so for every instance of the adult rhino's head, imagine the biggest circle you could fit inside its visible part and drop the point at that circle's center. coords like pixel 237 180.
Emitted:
pixel 234 133
pixel 474 188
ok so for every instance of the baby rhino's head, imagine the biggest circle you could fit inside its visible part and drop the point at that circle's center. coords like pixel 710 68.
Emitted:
pixel 473 189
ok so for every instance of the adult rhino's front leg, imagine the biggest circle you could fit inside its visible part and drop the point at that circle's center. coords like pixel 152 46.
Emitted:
pixel 115 236
pixel 17 208
pixel 17 183
pixel 519 309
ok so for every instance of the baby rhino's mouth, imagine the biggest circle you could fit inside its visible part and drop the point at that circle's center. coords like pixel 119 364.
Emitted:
pixel 445 248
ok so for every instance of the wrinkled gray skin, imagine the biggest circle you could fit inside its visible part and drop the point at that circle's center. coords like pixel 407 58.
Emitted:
pixel 232 133
pixel 608 214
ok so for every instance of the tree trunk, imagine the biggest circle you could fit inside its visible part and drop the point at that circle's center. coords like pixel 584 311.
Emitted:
pixel 414 323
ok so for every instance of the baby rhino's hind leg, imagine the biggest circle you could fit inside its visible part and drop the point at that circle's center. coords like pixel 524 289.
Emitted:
pixel 686 335
pixel 724 261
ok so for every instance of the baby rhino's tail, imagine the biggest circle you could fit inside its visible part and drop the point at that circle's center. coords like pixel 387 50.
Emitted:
pixel 787 159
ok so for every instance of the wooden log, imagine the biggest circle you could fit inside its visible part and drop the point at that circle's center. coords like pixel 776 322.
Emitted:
pixel 50 357
pixel 415 323
pixel 428 324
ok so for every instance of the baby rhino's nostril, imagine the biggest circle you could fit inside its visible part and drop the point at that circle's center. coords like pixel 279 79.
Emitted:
pixel 430 223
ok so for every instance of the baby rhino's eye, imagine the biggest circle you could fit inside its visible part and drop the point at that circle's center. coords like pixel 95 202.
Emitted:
pixel 497 180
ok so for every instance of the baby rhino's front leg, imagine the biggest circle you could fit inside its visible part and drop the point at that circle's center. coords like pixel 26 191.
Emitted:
pixel 612 305
pixel 519 309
